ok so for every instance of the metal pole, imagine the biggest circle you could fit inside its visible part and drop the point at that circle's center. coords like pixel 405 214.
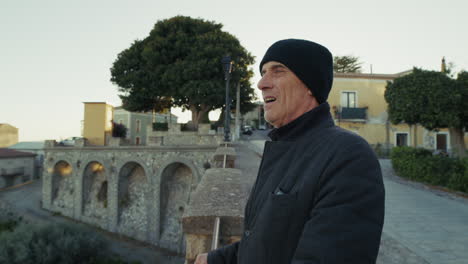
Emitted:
pixel 238 112
pixel 227 120
pixel 215 241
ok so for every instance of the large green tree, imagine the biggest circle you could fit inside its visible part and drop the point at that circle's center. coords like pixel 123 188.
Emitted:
pixel 179 64
pixel 433 100
pixel 345 64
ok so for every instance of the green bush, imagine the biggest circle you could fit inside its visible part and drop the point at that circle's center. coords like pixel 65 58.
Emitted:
pixel 7 225
pixel 49 244
pixel 119 130
pixel 420 165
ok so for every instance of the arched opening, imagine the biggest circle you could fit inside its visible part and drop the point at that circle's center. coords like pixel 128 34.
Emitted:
pixel 95 190
pixel 176 180
pixel 132 209
pixel 62 185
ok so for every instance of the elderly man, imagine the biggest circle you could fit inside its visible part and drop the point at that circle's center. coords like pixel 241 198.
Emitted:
pixel 319 196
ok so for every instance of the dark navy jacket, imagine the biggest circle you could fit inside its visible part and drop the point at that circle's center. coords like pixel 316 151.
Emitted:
pixel 318 198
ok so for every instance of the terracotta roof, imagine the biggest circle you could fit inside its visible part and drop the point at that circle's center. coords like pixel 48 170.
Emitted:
pixel 11 153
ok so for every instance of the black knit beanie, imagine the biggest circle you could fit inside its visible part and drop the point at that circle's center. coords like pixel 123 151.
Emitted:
pixel 311 62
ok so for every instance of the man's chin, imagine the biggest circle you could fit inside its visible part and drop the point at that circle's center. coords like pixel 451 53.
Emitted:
pixel 270 120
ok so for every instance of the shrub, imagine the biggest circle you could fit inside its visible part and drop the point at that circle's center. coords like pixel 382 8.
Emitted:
pixel 8 225
pixel 119 130
pixel 420 165
pixel 49 244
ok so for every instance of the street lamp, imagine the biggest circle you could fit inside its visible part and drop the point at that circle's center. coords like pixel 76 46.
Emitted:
pixel 227 66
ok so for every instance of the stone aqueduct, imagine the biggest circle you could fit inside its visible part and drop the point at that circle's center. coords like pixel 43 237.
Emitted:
pixel 138 192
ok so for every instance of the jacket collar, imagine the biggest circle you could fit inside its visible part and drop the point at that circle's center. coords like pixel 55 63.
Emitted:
pixel 319 117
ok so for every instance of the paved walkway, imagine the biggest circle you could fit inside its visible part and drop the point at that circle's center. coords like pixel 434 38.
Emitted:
pixel 422 225
pixel 432 224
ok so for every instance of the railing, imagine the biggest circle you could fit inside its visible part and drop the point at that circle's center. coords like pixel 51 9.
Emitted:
pixel 352 113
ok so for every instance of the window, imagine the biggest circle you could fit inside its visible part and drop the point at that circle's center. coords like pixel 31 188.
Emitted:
pixel 401 139
pixel 138 126
pixel 348 99
pixel 137 141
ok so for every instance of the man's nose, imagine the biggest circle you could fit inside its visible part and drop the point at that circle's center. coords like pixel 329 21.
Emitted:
pixel 264 83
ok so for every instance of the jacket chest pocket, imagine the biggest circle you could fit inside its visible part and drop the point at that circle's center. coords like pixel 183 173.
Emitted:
pixel 274 221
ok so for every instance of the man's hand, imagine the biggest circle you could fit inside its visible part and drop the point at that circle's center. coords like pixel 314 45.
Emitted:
pixel 202 259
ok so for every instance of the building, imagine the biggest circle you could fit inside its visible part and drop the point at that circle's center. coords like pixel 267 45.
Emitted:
pixel 16 167
pixel 137 123
pixel 33 147
pixel 357 103
pixel 8 135
pixel 255 118
pixel 97 124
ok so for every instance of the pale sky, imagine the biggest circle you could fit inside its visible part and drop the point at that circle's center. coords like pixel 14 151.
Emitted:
pixel 55 55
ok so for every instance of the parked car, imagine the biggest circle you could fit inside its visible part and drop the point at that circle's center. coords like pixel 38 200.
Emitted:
pixel 261 127
pixel 247 130
pixel 69 141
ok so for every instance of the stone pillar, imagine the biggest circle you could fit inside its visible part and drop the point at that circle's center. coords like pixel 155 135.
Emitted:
pixel 219 194
pixel 47 185
pixel 196 244
pixel 78 180
pixel 222 154
pixel 113 199
pixel 174 128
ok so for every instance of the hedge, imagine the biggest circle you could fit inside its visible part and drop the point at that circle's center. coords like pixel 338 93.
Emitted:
pixel 25 243
pixel 420 165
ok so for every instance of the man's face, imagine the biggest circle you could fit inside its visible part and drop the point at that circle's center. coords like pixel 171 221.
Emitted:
pixel 286 97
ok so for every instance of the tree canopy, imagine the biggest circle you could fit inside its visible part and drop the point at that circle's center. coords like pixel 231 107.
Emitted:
pixel 431 99
pixel 345 64
pixel 179 64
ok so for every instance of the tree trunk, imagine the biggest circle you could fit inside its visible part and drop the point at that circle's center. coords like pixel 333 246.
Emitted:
pixel 457 142
pixel 198 115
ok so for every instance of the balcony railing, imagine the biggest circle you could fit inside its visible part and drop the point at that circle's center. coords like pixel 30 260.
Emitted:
pixel 352 113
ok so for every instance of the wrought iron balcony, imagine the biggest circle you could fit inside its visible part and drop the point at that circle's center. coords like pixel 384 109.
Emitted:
pixel 352 113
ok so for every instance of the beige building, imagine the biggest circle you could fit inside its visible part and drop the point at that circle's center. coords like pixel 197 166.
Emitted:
pixel 16 167
pixel 358 104
pixel 8 135
pixel 97 124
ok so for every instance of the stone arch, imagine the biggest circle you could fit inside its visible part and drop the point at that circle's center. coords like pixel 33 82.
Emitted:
pixel 63 187
pixel 176 185
pixel 133 196
pixel 186 162
pixel 95 184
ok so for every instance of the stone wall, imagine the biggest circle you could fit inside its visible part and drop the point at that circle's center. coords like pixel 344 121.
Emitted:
pixel 14 171
pixel 174 136
pixel 140 192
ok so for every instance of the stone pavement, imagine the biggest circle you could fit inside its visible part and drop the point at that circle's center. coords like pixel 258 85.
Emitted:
pixel 432 224
pixel 421 225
